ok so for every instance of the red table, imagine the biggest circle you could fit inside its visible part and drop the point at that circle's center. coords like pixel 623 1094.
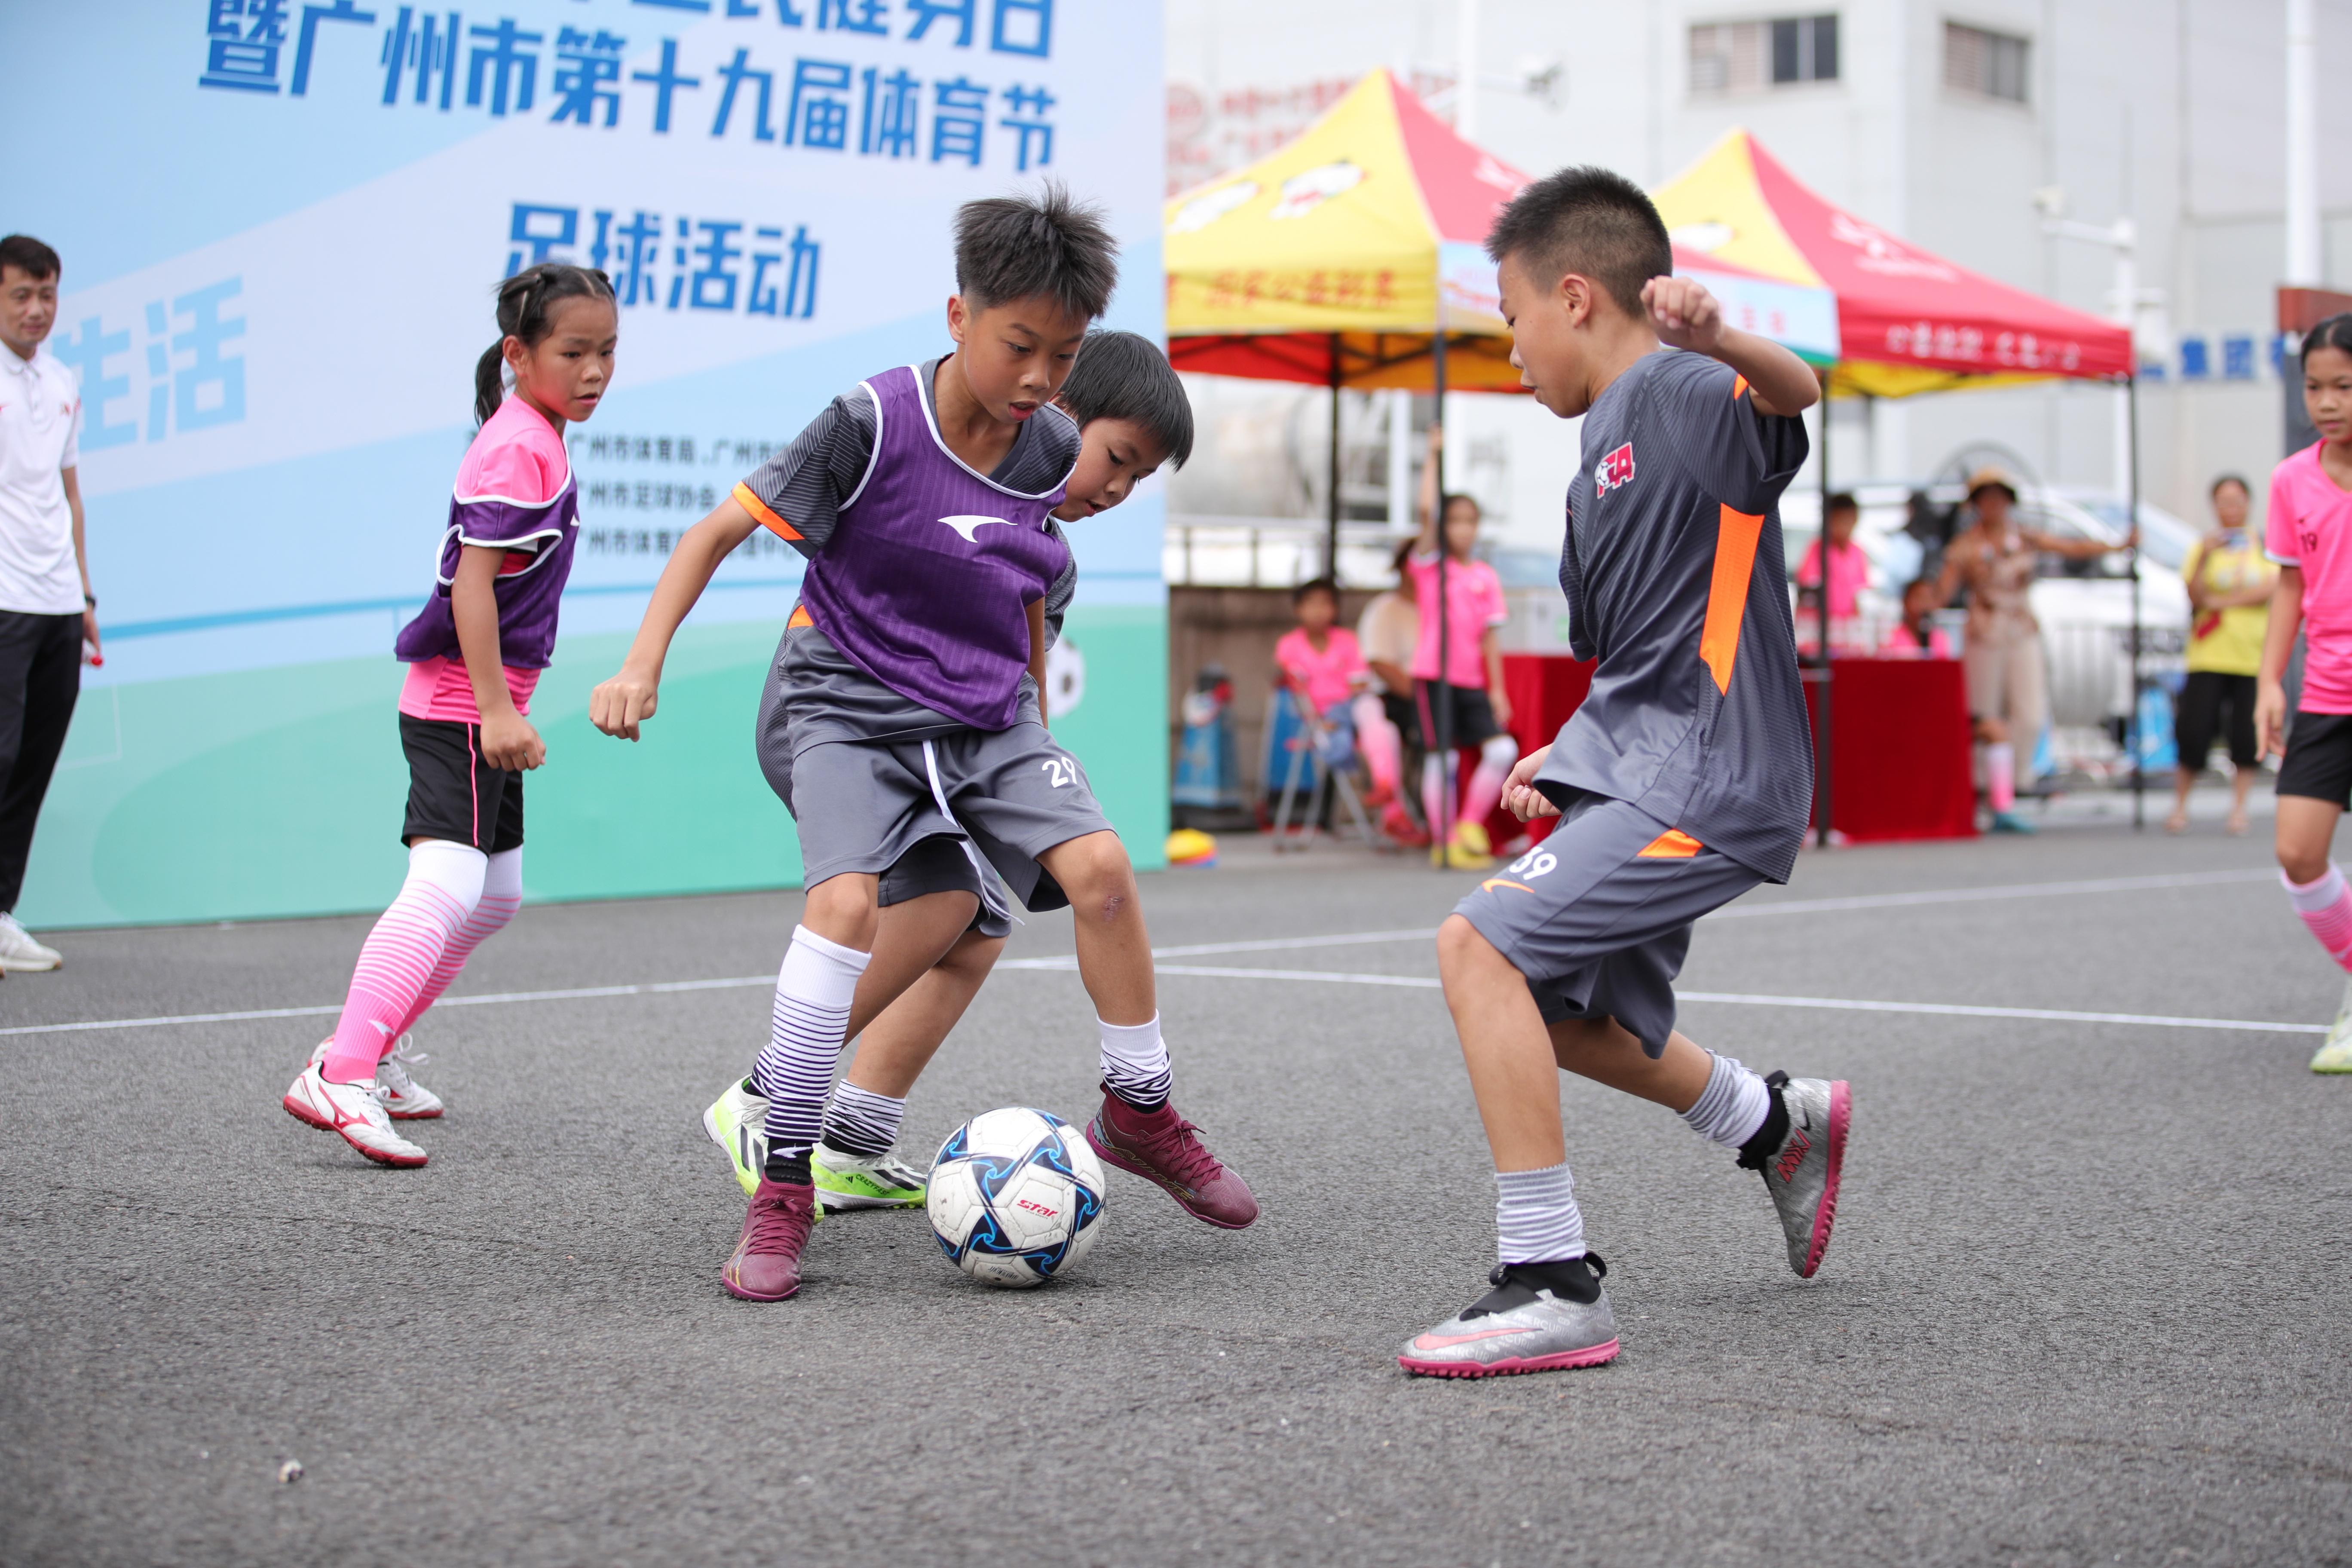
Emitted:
pixel 1901 767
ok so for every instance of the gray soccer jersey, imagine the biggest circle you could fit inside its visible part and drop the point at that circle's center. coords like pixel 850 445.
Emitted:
pixel 1677 585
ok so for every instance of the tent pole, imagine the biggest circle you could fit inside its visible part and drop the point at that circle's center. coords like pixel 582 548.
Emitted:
pixel 2139 760
pixel 1442 710
pixel 1331 538
pixel 1824 700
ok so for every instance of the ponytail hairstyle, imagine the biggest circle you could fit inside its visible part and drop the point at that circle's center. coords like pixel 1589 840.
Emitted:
pixel 526 302
pixel 2336 333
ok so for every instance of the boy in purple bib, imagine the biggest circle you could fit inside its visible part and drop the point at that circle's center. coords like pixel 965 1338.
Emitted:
pixel 903 706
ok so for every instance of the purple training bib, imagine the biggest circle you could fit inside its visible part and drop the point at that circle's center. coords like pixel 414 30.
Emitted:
pixel 927 578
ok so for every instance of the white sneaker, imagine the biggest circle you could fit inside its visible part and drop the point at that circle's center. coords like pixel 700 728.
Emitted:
pixel 405 1098
pixel 2334 1054
pixel 354 1110
pixel 19 951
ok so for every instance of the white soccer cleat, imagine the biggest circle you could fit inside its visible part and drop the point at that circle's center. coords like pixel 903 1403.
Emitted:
pixel 2334 1054
pixel 354 1111
pixel 19 951
pixel 405 1098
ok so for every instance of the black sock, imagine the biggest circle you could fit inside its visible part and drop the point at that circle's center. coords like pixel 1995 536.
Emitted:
pixel 788 1166
pixel 1774 1130
pixel 1573 1279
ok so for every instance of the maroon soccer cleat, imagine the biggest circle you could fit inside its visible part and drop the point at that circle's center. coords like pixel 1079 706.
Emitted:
pixel 767 1262
pixel 1162 1147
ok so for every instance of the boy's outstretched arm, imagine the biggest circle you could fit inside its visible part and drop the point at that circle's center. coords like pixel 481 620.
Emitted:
pixel 619 705
pixel 1686 315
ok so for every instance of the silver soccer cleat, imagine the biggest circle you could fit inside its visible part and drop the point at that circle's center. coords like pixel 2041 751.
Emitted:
pixel 1519 1326
pixel 1802 1173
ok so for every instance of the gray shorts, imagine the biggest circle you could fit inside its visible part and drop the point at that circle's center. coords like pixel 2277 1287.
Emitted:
pixel 941 865
pixel 868 804
pixel 1598 916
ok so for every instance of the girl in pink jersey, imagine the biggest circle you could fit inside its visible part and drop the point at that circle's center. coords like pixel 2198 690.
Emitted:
pixel 474 656
pixel 1467 674
pixel 2309 535
pixel 1323 661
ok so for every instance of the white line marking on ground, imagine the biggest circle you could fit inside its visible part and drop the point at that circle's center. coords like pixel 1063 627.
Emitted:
pixel 1757 999
pixel 1368 938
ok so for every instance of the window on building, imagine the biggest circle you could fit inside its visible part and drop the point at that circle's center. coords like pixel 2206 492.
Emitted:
pixel 1744 56
pixel 1986 63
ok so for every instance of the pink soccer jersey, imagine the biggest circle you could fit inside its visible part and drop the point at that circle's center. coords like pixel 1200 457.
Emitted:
pixel 1473 596
pixel 1329 676
pixel 2310 528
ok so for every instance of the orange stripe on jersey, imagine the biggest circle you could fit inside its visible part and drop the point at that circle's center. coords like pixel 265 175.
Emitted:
pixel 1738 385
pixel 761 514
pixel 1491 883
pixel 1674 844
pixel 800 617
pixel 1727 595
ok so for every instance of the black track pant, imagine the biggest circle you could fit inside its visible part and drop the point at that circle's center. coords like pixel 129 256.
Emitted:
pixel 40 677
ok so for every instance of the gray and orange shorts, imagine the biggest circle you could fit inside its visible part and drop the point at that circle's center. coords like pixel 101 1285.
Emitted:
pixel 1598 916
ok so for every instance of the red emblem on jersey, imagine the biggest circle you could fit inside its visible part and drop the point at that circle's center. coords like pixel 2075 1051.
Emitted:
pixel 1616 470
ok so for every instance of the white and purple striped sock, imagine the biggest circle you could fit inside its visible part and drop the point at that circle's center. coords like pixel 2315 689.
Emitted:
pixel 811 1019
pixel 861 1122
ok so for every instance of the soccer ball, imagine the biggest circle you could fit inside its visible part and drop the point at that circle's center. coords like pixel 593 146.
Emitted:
pixel 1016 1197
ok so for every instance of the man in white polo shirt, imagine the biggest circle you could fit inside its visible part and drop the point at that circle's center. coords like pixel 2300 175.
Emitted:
pixel 47 611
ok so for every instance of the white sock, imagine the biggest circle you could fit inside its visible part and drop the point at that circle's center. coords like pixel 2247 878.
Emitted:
pixel 1536 1216
pixel 1732 1107
pixel 1135 1063
pixel 861 1122
pixel 812 1017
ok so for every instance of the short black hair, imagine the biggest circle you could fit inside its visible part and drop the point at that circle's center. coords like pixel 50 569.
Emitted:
pixel 1315 585
pixel 2336 333
pixel 1123 376
pixel 1589 220
pixel 1842 500
pixel 30 256
pixel 1014 248
pixel 2237 480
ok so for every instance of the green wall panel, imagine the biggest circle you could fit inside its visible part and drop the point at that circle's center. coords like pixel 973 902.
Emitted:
pixel 275 792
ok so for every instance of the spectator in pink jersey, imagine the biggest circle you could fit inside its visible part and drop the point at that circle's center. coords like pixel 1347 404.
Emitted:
pixel 1322 663
pixel 2309 535
pixel 1470 672
pixel 474 654
pixel 1849 573
pixel 1916 634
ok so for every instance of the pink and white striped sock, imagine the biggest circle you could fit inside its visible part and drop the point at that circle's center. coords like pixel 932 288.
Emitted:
pixel 2325 906
pixel 445 883
pixel 501 897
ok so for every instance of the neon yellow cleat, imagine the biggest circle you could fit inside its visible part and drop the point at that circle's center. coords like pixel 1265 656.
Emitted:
pixel 2334 1053
pixel 856 1182
pixel 737 1123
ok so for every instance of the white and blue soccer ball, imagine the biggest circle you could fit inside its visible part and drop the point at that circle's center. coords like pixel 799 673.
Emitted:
pixel 1016 1197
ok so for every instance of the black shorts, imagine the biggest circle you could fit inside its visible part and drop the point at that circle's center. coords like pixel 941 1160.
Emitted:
pixel 1405 715
pixel 2213 703
pixel 2318 763
pixel 453 793
pixel 1473 716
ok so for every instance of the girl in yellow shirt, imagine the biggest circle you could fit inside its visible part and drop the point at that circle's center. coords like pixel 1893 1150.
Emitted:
pixel 2229 593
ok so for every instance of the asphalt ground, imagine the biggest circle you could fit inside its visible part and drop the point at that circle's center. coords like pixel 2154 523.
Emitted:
pixel 2087 1299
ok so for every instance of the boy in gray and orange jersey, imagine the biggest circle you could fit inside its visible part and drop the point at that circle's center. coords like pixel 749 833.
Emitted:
pixel 1684 779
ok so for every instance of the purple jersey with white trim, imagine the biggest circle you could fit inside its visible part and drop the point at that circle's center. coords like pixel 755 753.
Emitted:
pixel 927 583
pixel 514 489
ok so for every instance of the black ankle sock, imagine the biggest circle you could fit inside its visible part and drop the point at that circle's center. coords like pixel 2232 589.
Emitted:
pixel 1774 1130
pixel 789 1166
pixel 1573 1279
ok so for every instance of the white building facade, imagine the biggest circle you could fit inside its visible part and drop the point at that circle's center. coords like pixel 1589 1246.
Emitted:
pixel 1963 126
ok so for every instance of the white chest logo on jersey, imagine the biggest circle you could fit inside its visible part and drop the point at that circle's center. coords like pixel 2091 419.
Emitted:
pixel 969 526
pixel 1616 471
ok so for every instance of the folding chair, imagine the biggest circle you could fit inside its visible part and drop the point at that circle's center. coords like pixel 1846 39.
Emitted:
pixel 1310 745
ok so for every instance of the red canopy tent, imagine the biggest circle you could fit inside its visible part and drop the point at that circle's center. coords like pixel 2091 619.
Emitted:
pixel 1909 321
